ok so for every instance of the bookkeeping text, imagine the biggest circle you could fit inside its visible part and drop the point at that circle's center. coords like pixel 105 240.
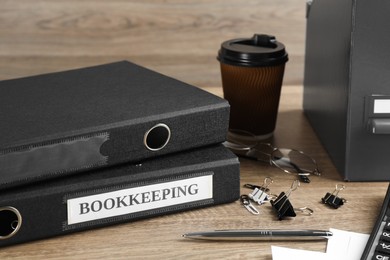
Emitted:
pixel 127 201
pixel 138 198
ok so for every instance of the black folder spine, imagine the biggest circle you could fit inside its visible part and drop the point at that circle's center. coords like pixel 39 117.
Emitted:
pixel 69 122
pixel 118 195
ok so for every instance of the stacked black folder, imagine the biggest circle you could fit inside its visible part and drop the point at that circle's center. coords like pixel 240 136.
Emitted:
pixel 107 144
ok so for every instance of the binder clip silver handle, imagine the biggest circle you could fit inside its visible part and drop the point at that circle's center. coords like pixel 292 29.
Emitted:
pixel 248 205
pixel 305 210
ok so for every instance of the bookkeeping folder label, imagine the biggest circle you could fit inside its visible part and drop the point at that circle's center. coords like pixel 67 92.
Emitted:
pixel 137 199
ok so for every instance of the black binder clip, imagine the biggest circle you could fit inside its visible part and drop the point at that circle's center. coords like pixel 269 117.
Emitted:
pixel 259 194
pixel 282 204
pixel 332 199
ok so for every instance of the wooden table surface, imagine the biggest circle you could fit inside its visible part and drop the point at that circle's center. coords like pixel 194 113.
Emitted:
pixel 181 38
pixel 160 237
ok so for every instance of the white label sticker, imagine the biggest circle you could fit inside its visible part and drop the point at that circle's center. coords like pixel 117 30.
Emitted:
pixel 137 199
pixel 381 106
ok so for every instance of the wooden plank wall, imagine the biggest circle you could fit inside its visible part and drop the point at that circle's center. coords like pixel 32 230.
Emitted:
pixel 179 38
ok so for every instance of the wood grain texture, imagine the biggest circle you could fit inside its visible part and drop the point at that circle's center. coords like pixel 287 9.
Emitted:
pixel 179 38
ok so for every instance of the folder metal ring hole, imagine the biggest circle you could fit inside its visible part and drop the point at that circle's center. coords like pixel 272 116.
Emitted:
pixel 157 137
pixel 10 222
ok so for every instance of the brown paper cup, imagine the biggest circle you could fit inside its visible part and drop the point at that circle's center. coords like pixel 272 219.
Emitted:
pixel 252 76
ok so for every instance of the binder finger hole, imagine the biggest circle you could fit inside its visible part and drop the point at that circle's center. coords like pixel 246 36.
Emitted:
pixel 10 222
pixel 157 137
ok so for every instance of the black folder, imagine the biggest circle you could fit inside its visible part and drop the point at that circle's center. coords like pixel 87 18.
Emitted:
pixel 171 183
pixel 67 122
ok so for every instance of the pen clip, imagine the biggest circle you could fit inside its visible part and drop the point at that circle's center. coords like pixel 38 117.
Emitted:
pixel 248 205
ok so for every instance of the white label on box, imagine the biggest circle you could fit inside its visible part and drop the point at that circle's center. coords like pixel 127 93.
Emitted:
pixel 381 106
pixel 137 199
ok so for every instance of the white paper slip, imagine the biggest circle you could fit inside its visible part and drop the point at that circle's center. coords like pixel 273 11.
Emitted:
pixel 342 245
pixel 283 253
pixel 346 245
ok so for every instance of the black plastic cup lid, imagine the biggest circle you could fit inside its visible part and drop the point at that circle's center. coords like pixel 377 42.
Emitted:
pixel 260 50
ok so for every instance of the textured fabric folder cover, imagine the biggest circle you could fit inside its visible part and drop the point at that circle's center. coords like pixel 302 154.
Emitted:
pixel 65 122
pixel 43 206
pixel 344 75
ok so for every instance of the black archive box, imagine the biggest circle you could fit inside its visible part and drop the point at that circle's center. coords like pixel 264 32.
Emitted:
pixel 68 122
pixel 347 84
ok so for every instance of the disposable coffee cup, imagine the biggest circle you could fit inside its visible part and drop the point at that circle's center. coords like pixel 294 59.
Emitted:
pixel 252 72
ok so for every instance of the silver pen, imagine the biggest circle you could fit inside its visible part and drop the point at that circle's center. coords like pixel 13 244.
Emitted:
pixel 260 234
